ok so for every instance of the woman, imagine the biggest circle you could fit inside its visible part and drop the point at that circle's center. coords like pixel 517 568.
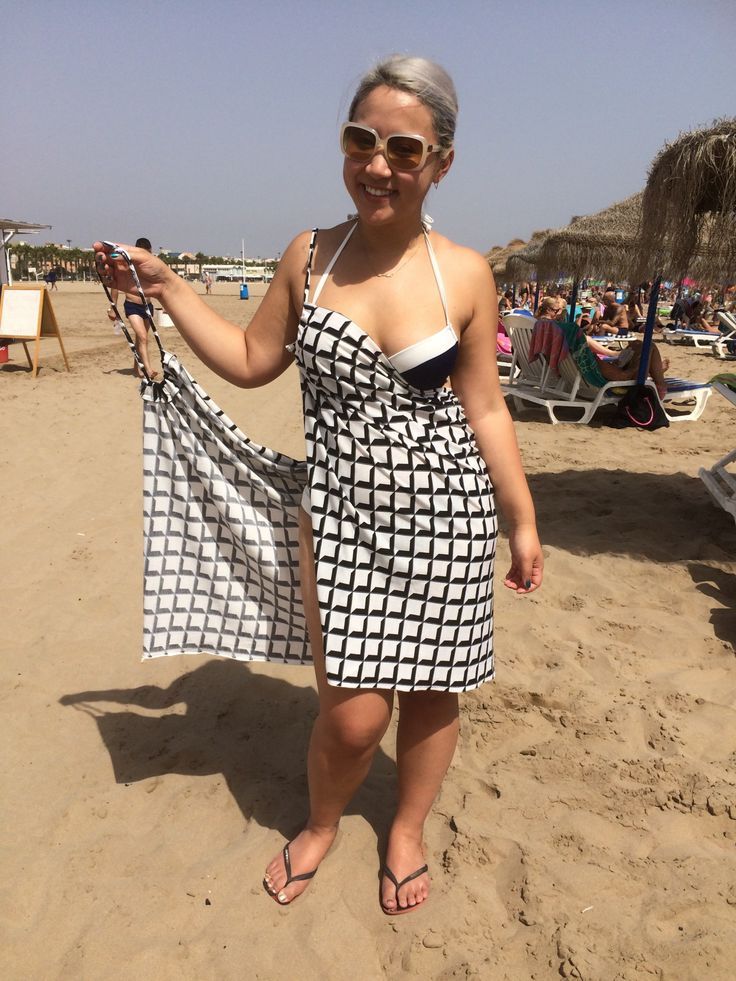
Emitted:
pixel 399 464
pixel 633 310
pixel 595 361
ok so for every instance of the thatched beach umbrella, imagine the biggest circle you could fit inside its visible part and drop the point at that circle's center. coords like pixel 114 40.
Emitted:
pixel 602 244
pixel 689 212
pixel 689 206
pixel 520 264
pixel 498 261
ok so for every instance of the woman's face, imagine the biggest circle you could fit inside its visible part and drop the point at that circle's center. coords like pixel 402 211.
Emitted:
pixel 382 195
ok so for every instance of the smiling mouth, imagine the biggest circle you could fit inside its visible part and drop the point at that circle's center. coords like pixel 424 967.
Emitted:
pixel 377 192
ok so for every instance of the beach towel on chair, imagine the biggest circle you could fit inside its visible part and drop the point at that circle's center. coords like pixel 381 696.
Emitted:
pixel 584 358
pixel 549 341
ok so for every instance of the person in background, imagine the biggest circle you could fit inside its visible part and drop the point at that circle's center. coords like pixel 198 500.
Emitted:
pixel 633 310
pixel 136 314
pixel 613 319
pixel 698 318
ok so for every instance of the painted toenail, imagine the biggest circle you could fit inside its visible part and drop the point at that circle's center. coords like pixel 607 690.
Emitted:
pixel 282 897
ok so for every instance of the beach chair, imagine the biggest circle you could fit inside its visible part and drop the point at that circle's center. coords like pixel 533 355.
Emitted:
pixel 683 335
pixel 724 347
pixel 719 481
pixel 523 373
pixel 536 383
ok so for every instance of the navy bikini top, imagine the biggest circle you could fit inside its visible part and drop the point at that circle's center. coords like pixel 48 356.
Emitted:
pixel 428 362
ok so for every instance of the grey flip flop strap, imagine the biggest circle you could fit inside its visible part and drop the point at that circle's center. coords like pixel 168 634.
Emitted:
pixel 287 866
pixel 397 884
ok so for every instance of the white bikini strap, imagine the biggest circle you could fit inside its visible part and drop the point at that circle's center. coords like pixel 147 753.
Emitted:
pixel 437 275
pixel 332 262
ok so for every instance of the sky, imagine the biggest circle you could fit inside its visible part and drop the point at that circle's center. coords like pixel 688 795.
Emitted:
pixel 199 124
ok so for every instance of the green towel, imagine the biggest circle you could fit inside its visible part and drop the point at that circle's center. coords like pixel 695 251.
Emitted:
pixel 726 378
pixel 582 355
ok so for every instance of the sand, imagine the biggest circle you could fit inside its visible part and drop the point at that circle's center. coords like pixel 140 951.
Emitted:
pixel 587 827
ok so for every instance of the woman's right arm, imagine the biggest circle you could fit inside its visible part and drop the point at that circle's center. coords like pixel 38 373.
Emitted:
pixel 246 358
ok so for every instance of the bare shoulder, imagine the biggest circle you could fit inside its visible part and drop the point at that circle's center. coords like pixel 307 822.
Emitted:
pixel 293 265
pixel 462 262
pixel 468 279
pixel 327 244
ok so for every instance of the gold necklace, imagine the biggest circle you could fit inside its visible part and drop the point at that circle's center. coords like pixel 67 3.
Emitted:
pixel 388 275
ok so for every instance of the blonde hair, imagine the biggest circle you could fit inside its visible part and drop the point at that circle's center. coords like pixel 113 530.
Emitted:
pixel 548 306
pixel 425 79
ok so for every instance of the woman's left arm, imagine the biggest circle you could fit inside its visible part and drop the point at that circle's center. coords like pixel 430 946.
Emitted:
pixel 475 382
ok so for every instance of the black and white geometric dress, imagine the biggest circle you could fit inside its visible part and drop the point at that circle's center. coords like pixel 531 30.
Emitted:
pixel 402 509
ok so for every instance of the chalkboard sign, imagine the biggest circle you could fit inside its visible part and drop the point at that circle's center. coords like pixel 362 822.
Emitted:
pixel 26 314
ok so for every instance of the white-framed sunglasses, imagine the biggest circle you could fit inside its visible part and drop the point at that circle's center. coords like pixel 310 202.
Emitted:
pixel 403 151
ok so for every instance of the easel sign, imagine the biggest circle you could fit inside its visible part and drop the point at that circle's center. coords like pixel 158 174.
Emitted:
pixel 26 315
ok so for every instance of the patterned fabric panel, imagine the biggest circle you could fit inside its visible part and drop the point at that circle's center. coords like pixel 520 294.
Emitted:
pixel 221 564
pixel 403 516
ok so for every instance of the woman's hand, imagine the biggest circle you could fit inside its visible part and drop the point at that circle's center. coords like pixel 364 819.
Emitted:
pixel 154 274
pixel 527 561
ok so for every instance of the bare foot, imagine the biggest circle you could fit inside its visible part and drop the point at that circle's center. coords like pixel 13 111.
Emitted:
pixel 153 375
pixel 404 856
pixel 306 852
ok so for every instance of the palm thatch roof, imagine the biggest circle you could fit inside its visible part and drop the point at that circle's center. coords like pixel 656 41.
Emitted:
pixel 519 265
pixel 602 244
pixel 689 205
pixel 500 258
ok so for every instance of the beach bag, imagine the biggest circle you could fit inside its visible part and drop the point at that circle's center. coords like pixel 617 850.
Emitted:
pixel 640 409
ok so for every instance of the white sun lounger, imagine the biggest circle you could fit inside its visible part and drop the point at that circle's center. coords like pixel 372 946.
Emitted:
pixel 719 480
pixel 536 383
pixel 700 338
pixel 724 347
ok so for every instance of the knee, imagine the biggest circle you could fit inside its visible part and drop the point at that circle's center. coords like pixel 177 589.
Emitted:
pixel 353 733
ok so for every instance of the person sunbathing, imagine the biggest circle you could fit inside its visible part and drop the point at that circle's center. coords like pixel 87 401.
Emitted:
pixel 698 319
pixel 594 360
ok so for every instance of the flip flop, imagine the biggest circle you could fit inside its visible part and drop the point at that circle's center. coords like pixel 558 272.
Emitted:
pixel 289 877
pixel 397 885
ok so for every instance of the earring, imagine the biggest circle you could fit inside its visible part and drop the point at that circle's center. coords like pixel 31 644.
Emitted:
pixel 436 183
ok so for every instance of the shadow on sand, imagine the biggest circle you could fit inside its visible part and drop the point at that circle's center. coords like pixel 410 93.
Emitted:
pixel 232 720
pixel 660 517
pixel 720 586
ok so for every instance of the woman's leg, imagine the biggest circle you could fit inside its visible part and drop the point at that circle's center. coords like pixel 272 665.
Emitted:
pixel 345 736
pixel 425 744
pixel 657 367
pixel 141 343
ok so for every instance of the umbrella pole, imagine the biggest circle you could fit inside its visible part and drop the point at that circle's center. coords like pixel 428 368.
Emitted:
pixel 536 296
pixel 573 300
pixel 513 295
pixel 646 345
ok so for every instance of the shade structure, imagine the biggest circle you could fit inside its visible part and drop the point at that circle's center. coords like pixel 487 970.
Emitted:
pixel 602 244
pixel 689 206
pixel 498 258
pixel 520 264
pixel 8 228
